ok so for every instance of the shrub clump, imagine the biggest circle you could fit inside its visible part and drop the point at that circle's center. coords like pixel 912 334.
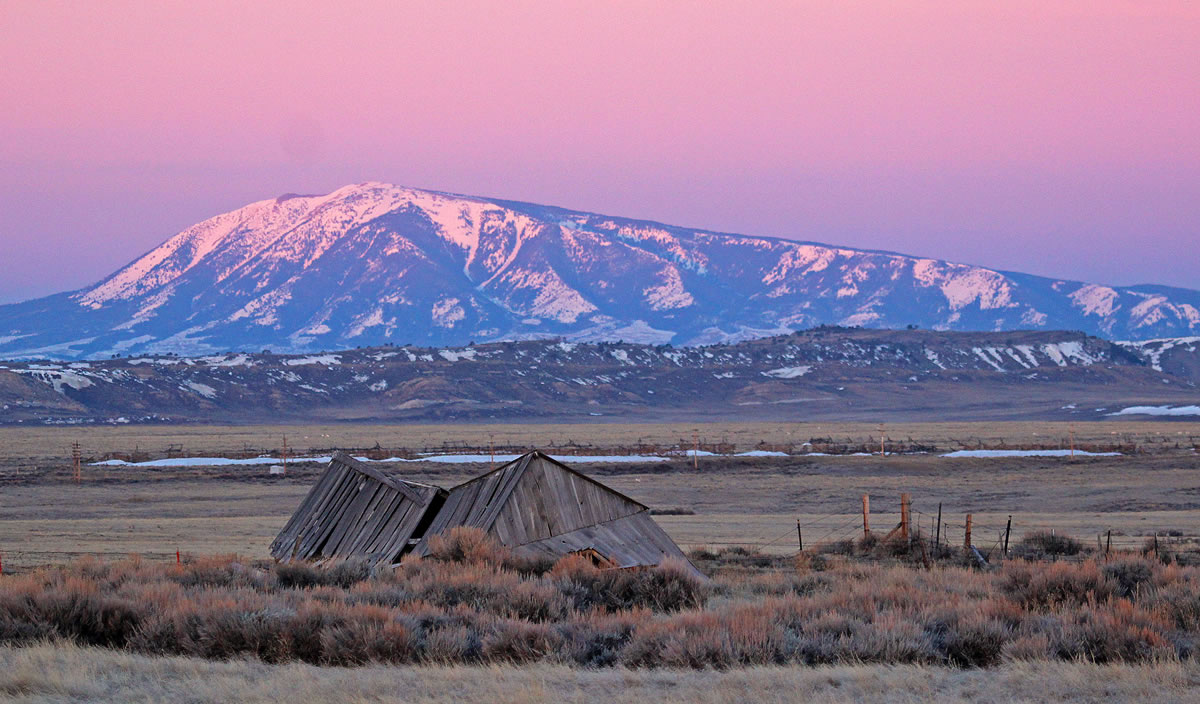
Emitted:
pixel 1042 544
pixel 476 604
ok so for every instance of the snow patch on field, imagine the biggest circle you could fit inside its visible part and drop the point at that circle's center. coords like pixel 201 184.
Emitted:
pixel 1158 411
pixel 1028 453
pixel 444 459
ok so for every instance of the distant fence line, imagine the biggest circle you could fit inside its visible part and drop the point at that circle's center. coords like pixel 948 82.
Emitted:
pixel 835 532
pixel 829 533
pixel 706 446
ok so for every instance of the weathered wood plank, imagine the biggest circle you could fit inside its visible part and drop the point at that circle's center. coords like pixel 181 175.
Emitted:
pixel 369 533
pixel 282 546
pixel 316 517
pixel 313 545
pixel 348 517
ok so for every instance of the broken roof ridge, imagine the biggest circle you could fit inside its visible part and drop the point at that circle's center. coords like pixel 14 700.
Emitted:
pixel 537 453
pixel 403 486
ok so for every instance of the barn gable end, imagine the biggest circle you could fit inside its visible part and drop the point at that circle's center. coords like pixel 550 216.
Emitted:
pixel 549 498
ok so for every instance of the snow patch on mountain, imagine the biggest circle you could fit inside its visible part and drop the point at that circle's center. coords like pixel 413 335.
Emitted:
pixel 1153 350
pixel 325 359
pixel 668 294
pixel 58 378
pixel 202 389
pixel 788 372
pixel 447 313
pixel 1096 300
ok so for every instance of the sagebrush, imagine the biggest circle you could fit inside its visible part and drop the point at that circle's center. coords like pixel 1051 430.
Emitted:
pixel 474 602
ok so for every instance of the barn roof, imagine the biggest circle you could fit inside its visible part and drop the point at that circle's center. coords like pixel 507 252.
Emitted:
pixel 356 511
pixel 540 506
pixel 527 484
pixel 630 541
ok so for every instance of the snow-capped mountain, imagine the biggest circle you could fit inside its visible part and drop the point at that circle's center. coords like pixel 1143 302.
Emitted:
pixel 373 263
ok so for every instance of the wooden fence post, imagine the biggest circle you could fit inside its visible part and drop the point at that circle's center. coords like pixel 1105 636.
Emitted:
pixel 967 538
pixel 1007 530
pixel 1108 543
pixel 937 539
pixel 799 535
pixel 905 500
pixel 866 515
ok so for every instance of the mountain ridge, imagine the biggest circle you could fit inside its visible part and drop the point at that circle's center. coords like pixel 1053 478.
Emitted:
pixel 374 263
pixel 823 373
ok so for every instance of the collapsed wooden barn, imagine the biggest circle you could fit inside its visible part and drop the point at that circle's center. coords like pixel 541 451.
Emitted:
pixel 535 505
pixel 355 511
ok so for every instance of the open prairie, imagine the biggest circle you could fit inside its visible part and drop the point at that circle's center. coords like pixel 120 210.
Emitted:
pixel 45 517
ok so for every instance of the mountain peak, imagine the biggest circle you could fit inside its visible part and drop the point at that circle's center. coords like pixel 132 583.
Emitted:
pixel 373 262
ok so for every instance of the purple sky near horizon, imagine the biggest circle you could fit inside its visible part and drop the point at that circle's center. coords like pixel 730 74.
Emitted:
pixel 1060 139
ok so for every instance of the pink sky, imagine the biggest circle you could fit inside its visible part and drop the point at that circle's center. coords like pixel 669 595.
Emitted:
pixel 1058 138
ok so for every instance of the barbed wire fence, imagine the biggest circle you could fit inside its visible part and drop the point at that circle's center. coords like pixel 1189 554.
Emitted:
pixel 944 534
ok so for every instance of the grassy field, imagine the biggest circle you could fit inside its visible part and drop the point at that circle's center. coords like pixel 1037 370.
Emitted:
pixel 46 517
pixel 67 673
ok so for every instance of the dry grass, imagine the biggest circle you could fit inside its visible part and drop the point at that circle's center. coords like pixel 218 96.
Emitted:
pixel 45 517
pixel 68 673
pixel 476 603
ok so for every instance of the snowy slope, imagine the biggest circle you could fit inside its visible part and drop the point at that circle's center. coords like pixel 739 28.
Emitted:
pixel 373 263
pixel 820 373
